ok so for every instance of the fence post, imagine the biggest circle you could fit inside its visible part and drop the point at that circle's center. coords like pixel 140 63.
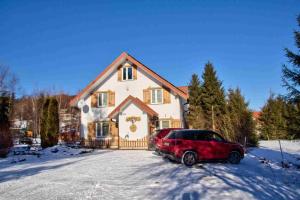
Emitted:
pixel 282 162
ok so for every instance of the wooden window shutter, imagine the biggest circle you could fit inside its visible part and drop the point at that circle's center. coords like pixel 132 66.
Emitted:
pixel 147 96
pixel 120 73
pixel 176 123
pixel 91 130
pixel 94 100
pixel 167 96
pixel 134 70
pixel 111 98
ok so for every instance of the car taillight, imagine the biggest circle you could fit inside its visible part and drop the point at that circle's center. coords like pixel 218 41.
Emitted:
pixel 167 143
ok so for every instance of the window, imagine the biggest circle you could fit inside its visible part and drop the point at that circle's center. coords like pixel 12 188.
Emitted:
pixel 102 99
pixel 203 136
pixel 188 135
pixel 217 137
pixel 102 129
pixel 156 96
pixel 127 73
pixel 164 124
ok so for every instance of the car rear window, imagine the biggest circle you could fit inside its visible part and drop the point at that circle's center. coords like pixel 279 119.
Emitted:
pixel 162 133
pixel 174 134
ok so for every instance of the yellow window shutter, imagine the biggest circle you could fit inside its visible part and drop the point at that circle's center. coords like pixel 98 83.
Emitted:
pixel 134 69
pixel 91 130
pixel 94 100
pixel 111 98
pixel 176 123
pixel 167 96
pixel 146 95
pixel 120 73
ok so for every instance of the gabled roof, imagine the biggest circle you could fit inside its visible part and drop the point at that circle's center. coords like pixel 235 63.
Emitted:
pixel 256 115
pixel 122 58
pixel 185 89
pixel 137 102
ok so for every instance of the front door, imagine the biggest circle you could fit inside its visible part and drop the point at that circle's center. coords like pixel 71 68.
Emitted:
pixel 133 128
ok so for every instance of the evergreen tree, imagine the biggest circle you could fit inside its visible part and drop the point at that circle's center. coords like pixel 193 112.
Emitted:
pixel 239 123
pixel 274 123
pixel 293 120
pixel 212 98
pixel 53 122
pixel 291 76
pixel 49 123
pixel 44 124
pixel 195 116
pixel 5 135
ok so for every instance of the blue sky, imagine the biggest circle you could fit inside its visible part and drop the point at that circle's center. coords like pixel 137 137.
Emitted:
pixel 66 44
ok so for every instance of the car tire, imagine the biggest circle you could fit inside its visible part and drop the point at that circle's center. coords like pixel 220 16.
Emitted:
pixel 234 157
pixel 189 158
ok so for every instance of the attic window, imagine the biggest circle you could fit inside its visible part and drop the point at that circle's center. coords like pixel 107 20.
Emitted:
pixel 127 73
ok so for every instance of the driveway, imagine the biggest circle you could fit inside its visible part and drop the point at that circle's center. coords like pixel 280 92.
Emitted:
pixel 133 174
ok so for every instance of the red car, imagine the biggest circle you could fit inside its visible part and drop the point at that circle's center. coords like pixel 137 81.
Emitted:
pixel 191 146
pixel 159 135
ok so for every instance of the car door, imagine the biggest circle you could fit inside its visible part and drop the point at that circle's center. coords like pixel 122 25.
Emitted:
pixel 219 146
pixel 203 145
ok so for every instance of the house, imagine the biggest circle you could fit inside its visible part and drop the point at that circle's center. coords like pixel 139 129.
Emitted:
pixel 126 102
pixel 256 115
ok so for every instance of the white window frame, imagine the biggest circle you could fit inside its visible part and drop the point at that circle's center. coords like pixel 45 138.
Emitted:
pixel 101 130
pixel 161 123
pixel 102 98
pixel 154 92
pixel 126 73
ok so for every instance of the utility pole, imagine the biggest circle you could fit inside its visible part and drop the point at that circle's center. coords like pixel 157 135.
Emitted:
pixel 212 118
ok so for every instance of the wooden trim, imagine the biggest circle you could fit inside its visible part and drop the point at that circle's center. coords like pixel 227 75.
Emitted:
pixel 147 96
pixel 134 72
pixel 166 96
pixel 111 98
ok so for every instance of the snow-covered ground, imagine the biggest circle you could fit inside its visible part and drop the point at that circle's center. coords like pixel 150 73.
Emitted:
pixel 108 174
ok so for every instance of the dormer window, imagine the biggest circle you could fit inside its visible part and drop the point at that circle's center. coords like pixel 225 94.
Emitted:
pixel 127 73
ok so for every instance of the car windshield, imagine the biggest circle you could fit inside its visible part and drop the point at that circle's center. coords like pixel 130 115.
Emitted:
pixel 217 137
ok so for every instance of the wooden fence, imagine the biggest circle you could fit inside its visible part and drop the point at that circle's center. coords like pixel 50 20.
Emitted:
pixel 133 144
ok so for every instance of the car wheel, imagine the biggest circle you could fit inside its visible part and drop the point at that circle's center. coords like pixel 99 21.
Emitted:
pixel 189 158
pixel 234 157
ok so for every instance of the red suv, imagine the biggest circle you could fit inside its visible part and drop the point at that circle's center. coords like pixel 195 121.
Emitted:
pixel 156 140
pixel 191 146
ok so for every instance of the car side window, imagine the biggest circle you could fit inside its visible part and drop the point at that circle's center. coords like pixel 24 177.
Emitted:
pixel 188 135
pixel 201 136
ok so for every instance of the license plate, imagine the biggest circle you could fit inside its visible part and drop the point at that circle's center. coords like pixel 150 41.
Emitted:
pixel 167 144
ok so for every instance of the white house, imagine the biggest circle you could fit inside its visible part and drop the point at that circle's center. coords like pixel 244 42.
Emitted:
pixel 126 102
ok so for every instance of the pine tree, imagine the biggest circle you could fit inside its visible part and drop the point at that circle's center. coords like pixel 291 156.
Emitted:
pixel 212 98
pixel 44 124
pixel 274 123
pixel 53 122
pixel 291 76
pixel 239 123
pixel 195 116
pixel 293 120
pixel 5 135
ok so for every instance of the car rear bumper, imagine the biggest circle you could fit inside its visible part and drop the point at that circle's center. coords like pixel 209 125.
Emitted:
pixel 170 155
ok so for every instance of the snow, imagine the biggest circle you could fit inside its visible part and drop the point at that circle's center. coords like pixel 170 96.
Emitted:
pixel 121 174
